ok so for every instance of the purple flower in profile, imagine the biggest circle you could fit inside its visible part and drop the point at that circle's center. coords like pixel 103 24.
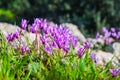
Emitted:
pixel 107 34
pixel 114 34
pixel 94 58
pixel 46 28
pixel 66 47
pixel 112 30
pixel 17 33
pixel 53 45
pixel 42 23
pixel 118 35
pixel 10 37
pixel 24 48
pixel 42 40
pixel 97 35
pixel 24 23
pixel 48 49
pixel 37 21
pixel 80 52
pixel 86 44
pixel 59 42
pixel 74 41
pixel 114 72
pixel 104 29
pixel 34 28
pixel 108 40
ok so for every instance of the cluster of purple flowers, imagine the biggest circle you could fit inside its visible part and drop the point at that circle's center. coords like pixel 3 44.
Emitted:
pixel 60 38
pixel 53 37
pixel 108 34
pixel 57 37
pixel 16 35
pixel 82 50
pixel 86 46
pixel 12 36
pixel 38 25
pixel 114 72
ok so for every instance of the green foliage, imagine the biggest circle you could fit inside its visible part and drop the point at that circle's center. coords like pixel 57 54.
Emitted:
pixel 14 65
pixel 6 15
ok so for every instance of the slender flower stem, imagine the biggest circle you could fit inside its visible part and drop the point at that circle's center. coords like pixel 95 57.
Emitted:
pixel 20 39
pixel 37 43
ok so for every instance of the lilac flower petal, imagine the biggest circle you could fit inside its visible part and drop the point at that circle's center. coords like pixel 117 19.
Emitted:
pixel 108 41
pixel 86 44
pixel 74 41
pixel 114 72
pixel 97 35
pixel 107 34
pixel 48 49
pixel 114 34
pixel 24 24
pixel 10 37
pixel 93 56
pixel 112 29
pixel 80 52
pixel 104 29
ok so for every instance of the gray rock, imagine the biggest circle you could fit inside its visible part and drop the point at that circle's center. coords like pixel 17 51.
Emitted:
pixel 75 31
pixel 116 47
pixel 105 57
pixel 8 28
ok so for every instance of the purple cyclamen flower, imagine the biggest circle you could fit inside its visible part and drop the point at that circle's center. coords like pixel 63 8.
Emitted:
pixel 34 28
pixel 107 34
pixel 48 49
pixel 10 37
pixel 46 28
pixel 80 52
pixel 108 40
pixel 42 23
pixel 118 35
pixel 104 29
pixel 114 34
pixel 59 42
pixel 86 44
pixel 42 39
pixel 17 33
pixel 37 21
pixel 66 47
pixel 94 58
pixel 97 35
pixel 112 29
pixel 24 23
pixel 53 45
pixel 74 41
pixel 24 49
pixel 114 72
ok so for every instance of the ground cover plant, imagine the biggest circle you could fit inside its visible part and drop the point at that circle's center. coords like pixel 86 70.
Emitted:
pixel 51 56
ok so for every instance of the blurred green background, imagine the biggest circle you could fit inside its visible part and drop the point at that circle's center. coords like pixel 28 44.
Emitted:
pixel 89 15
